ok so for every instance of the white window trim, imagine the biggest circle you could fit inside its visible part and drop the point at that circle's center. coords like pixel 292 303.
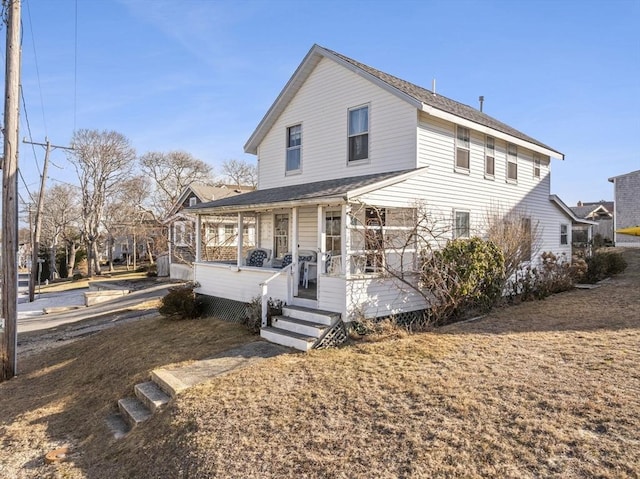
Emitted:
pixel 462 169
pixel 537 165
pixel 566 234
pixel 366 160
pixel 455 229
pixel 506 173
pixel 193 201
pixel 489 176
pixel 297 171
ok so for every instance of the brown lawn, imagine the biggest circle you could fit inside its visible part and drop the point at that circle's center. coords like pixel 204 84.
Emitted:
pixel 542 389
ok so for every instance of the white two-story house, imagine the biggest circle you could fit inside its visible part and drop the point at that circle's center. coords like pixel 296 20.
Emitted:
pixel 346 155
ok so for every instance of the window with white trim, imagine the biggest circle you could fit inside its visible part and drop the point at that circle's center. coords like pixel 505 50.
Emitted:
pixel 462 147
pixel 294 148
pixel 461 224
pixel 512 162
pixel 281 235
pixel 490 157
pixel 564 234
pixel 359 133
pixel 333 231
pixel 536 166
pixel 193 201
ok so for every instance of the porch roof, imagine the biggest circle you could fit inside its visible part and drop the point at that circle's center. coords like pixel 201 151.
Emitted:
pixel 336 191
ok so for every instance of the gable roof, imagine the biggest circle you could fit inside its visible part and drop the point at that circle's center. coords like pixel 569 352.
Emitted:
pixel 328 191
pixel 587 210
pixel 419 97
pixel 206 193
pixel 568 211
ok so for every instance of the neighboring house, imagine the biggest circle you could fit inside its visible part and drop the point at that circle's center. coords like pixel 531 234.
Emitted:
pixel 602 213
pixel 626 197
pixel 347 153
pixel 219 233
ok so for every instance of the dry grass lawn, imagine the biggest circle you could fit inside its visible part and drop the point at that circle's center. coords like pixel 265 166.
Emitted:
pixel 542 389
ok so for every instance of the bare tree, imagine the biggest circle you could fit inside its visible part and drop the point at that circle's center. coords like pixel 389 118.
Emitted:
pixel 170 173
pixel 240 172
pixel 61 218
pixel 102 160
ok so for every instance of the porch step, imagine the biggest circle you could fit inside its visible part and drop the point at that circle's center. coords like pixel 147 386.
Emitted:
pixel 151 395
pixel 327 318
pixel 300 326
pixel 290 339
pixel 133 411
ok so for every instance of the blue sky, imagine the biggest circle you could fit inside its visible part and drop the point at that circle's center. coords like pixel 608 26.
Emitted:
pixel 198 75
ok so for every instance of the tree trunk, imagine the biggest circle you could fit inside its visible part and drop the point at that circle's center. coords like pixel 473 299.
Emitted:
pixel 71 262
pixel 96 258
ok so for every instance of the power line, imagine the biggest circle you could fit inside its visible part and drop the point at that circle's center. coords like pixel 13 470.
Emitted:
pixel 35 56
pixel 25 184
pixel 75 71
pixel 26 118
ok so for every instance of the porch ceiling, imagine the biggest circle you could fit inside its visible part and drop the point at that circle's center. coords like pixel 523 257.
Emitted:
pixel 335 191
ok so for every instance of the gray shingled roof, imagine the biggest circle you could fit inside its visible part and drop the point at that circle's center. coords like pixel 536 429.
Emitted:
pixel 305 191
pixel 441 102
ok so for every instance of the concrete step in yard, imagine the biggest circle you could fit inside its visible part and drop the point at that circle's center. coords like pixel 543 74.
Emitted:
pixel 135 410
pixel 300 326
pixel 312 315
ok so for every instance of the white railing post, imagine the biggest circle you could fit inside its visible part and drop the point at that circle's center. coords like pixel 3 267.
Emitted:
pixel 265 304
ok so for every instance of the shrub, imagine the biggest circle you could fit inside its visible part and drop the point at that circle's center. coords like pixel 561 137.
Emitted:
pixel 181 302
pixel 77 276
pixel 253 313
pixel 604 264
pixel 463 277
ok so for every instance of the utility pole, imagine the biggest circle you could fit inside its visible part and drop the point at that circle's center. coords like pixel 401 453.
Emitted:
pixel 10 194
pixel 35 243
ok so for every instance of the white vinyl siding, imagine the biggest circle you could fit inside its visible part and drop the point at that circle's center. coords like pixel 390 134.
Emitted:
pixel 321 105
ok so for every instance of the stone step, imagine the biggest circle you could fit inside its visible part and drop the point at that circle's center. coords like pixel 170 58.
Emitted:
pixel 133 411
pixel 290 339
pixel 299 326
pixel 117 425
pixel 311 315
pixel 169 383
pixel 151 395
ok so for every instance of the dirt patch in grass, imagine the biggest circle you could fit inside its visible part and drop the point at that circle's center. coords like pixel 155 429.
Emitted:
pixel 542 389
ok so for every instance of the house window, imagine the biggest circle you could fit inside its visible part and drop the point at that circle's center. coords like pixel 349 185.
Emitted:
pixel 333 232
pixel 462 148
pixel 490 157
pixel 181 234
pixel 512 162
pixel 564 234
pixel 359 133
pixel 230 233
pixel 294 145
pixel 281 235
pixel 192 201
pixel 536 166
pixel 211 234
pixel 461 226
pixel 374 238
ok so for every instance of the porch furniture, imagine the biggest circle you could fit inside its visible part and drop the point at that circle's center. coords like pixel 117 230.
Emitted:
pixel 334 265
pixel 258 257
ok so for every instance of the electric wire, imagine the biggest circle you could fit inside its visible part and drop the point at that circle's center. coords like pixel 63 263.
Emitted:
pixel 75 71
pixel 35 57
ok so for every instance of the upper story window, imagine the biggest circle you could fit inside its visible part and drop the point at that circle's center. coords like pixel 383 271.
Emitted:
pixel 512 162
pixel 462 226
pixel 536 166
pixel 462 147
pixel 359 133
pixel 192 201
pixel 294 146
pixel 490 157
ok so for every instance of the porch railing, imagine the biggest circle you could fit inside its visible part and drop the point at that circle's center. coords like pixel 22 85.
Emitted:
pixel 265 290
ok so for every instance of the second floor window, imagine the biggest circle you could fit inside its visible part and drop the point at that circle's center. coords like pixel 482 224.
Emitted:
pixel 462 147
pixel 512 162
pixel 359 133
pixel 536 166
pixel 490 157
pixel 564 234
pixel 294 146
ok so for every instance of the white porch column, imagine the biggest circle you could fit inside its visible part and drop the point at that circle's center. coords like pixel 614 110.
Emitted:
pixel 198 238
pixel 322 242
pixel 239 239
pixel 346 239
pixel 294 248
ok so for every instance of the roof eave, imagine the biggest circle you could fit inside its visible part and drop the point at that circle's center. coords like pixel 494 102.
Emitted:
pixel 562 205
pixel 323 200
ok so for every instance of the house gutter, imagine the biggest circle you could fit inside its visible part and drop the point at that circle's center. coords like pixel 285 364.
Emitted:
pixel 326 200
